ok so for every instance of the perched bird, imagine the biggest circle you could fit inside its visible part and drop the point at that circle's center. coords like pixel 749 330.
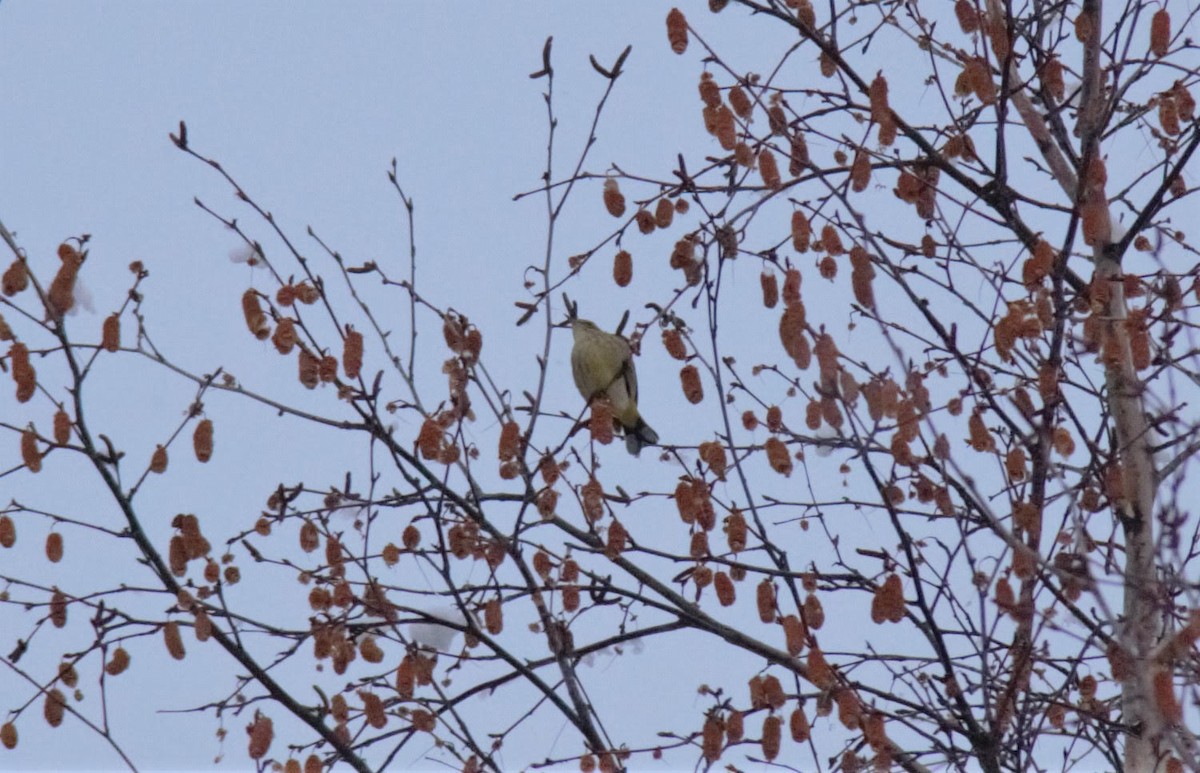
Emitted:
pixel 602 364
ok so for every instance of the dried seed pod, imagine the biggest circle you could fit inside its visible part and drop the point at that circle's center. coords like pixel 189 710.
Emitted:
pixel 547 502
pixel 1014 463
pixel 617 538
pixel 980 437
pixel 110 336
pixel 772 733
pixel 1160 32
pixel 352 353
pixel 713 454
pixel 979 79
pixel 968 18
pixel 173 641
pixel 623 268
pixel 860 171
pixel 1168 116
pixel 373 709
pixel 725 128
pixel 765 597
pixel 23 372
pixel 778 457
pixel 677 31
pixel 118 662
pixel 54 547
pixel 645 221
pixel 770 288
pixel 831 240
pixel 203 625
pixel 736 531
pixel 801 231
pixel 493 616
pixel 261 732
pixel 723 585
pixel 798 724
pixel 15 279
pixel 601 422
pixel 614 201
pixel 54 707
pixel 30 455
pixel 158 460
pixel 689 378
pixel 510 439
pixel 795 634
pixel 878 94
pixel 828 65
pixel 673 342
pixel 327 368
pixel 814 613
pixel 819 671
pixel 740 103
pixel 62 427
pixel 710 93
pixel 307 294
pixel 768 169
pixel 664 213
pixel 798 158
pixel 791 286
pixel 202 440
pixel 1051 75
pixel 309 369
pixel 61 295
pixel 256 319
pixel 592 496
pixel 791 334
pixel 284 338
pixel 8 532
pixel 712 737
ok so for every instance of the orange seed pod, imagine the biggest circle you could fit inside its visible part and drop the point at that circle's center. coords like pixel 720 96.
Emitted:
pixel 62 427
pixel 61 295
pixel 677 32
pixel 256 319
pixel 15 279
pixel 771 736
pixel 54 547
pixel 689 378
pixel 493 616
pixel 110 336
pixel 173 640
pixel 352 353
pixel 778 457
pixel 261 732
pixel 723 585
pixel 29 450
pixel 118 662
pixel 769 170
pixel 1160 32
pixel 8 532
pixel 614 201
pixel 765 597
pixel 202 440
pixel 54 706
pixel 623 268
pixel 310 369
pixel 801 231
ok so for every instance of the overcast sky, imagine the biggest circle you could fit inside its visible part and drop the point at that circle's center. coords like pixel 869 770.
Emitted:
pixel 306 104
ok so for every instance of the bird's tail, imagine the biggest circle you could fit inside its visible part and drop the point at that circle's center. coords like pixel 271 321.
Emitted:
pixel 639 437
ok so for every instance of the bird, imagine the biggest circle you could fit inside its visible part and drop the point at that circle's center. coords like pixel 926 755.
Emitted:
pixel 602 364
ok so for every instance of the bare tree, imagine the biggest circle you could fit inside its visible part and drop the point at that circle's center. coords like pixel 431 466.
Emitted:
pixel 943 444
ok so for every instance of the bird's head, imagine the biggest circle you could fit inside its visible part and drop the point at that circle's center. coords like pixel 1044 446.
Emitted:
pixel 583 327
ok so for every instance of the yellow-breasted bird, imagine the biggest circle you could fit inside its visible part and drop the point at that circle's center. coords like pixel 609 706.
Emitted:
pixel 602 364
